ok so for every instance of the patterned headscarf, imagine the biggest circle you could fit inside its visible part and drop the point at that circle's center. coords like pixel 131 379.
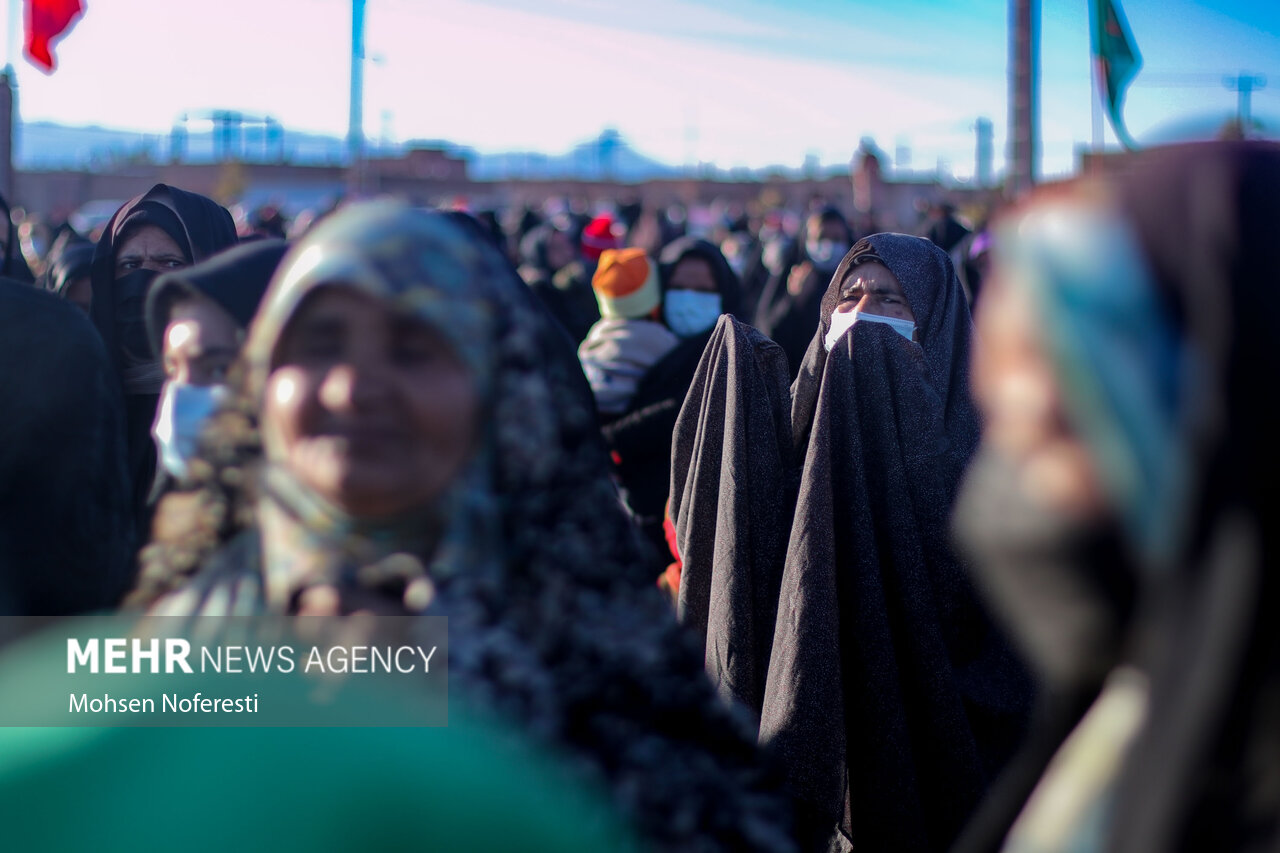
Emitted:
pixel 422 267
pixel 535 557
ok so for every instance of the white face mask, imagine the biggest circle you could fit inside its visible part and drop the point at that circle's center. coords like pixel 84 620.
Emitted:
pixel 843 322
pixel 691 312
pixel 181 415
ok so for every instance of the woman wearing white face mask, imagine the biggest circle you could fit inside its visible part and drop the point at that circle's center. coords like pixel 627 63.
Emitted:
pixel 870 292
pixel 878 647
pixel 196 318
pixel 880 642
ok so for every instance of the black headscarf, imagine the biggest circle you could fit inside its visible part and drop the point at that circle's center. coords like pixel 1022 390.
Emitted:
pixel 235 279
pixel 533 249
pixel 641 437
pixel 732 497
pixel 943 330
pixel 889 697
pixel 789 318
pixel 66 522
pixel 200 227
pixel 14 265
pixel 726 279
pixel 566 292
pixel 70 262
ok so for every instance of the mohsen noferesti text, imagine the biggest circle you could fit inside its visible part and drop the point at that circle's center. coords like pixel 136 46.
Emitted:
pixel 169 703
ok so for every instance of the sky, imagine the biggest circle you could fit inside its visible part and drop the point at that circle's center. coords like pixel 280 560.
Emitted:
pixel 732 82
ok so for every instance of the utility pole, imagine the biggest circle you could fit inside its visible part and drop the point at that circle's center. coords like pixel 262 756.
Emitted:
pixel 1244 84
pixel 1024 84
pixel 8 123
pixel 355 122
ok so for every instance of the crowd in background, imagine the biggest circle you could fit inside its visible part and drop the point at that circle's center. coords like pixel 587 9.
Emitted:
pixel 736 514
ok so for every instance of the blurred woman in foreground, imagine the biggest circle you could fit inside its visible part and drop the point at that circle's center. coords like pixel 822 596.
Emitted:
pixel 430 447
pixel 1123 504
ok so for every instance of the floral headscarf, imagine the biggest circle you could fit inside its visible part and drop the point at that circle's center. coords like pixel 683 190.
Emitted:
pixel 536 559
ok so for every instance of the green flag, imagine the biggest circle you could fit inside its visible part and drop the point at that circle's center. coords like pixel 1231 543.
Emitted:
pixel 1116 60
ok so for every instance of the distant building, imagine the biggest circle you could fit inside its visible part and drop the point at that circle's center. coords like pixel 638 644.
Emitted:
pixel 882 203
pixel 435 174
pixel 420 174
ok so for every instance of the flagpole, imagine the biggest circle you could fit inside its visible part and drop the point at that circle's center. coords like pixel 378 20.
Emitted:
pixel 14 27
pixel 8 111
pixel 1094 92
pixel 1097 108
pixel 355 118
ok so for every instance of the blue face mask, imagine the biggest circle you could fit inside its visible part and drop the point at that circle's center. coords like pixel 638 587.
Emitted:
pixel 181 415
pixel 842 322
pixel 691 312
pixel 825 255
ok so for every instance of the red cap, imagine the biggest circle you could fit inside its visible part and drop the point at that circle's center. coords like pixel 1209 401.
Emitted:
pixel 598 236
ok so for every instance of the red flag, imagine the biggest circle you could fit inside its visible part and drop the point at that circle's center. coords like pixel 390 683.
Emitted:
pixel 47 20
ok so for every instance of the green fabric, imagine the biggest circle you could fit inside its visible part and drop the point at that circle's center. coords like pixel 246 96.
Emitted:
pixel 464 787
pixel 1117 60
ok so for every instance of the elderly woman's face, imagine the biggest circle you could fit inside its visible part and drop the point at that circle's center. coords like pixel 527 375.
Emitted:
pixel 370 408
pixel 871 288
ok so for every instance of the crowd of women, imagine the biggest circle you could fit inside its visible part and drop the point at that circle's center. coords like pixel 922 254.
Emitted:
pixel 756 542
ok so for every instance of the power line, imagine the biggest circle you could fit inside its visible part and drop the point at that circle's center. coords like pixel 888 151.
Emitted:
pixel 1244 85
pixel 1174 81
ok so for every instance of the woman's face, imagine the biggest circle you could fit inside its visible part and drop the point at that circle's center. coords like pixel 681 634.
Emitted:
pixel 693 274
pixel 1021 400
pixel 871 288
pixel 149 248
pixel 200 342
pixel 370 408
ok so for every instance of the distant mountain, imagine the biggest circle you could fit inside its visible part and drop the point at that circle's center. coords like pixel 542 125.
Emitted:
pixel 45 146
pixel 607 157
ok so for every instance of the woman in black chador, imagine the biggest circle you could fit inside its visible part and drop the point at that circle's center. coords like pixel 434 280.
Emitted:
pixel 66 522
pixel 791 303
pixel 164 228
pixel 878 680
pixel 698 286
